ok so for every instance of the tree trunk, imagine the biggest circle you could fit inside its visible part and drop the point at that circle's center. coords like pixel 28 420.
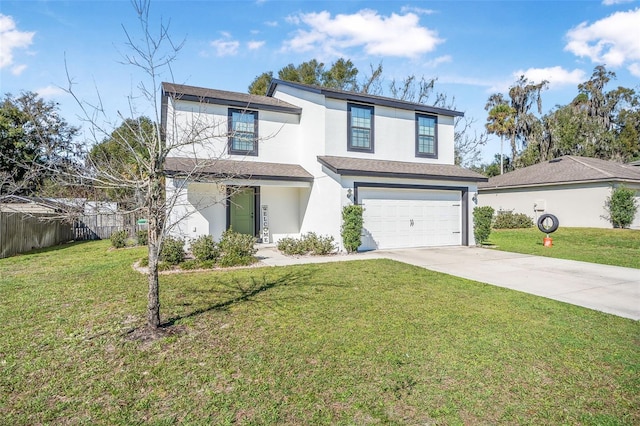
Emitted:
pixel 153 298
pixel 156 226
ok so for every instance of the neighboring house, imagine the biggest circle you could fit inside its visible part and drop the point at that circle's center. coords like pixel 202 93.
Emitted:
pixel 574 189
pixel 291 160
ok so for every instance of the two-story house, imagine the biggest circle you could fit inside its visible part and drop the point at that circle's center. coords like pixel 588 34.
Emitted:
pixel 286 164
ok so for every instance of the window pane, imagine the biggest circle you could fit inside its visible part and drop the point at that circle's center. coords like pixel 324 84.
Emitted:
pixel 360 127
pixel 243 131
pixel 426 135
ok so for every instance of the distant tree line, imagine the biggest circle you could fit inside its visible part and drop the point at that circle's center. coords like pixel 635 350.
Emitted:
pixel 599 122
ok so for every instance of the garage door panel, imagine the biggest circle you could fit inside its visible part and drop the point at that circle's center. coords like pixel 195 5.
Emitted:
pixel 410 218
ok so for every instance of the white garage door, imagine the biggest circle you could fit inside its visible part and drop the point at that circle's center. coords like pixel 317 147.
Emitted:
pixel 410 218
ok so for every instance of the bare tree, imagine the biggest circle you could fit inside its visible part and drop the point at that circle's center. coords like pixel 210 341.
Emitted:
pixel 144 145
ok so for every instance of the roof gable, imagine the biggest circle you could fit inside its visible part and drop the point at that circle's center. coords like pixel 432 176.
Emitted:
pixel 363 98
pixel 223 97
pixel 562 170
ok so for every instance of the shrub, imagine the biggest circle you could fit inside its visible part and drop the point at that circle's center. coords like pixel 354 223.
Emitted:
pixel 236 249
pixel 622 207
pixel 119 239
pixel 143 237
pixel 506 219
pixel 308 243
pixel 351 231
pixel 205 248
pixel 318 244
pixel 482 223
pixel 172 251
pixel 291 246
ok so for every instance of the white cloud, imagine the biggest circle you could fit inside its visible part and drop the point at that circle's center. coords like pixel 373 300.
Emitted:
pixel 50 91
pixel 613 40
pixel 225 46
pixel 254 44
pixel 378 35
pixel 271 23
pixel 11 38
pixel 612 2
pixel 634 69
pixel 17 70
pixel 439 60
pixel 418 10
pixel 556 76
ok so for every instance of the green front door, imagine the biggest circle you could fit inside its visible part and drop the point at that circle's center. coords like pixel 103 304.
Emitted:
pixel 242 211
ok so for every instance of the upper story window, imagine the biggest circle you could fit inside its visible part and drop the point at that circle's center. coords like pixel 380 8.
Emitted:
pixel 243 132
pixel 426 136
pixel 360 128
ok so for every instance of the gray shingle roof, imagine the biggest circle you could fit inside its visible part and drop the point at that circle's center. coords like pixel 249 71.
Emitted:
pixel 363 97
pixel 364 167
pixel 234 169
pixel 237 99
pixel 567 169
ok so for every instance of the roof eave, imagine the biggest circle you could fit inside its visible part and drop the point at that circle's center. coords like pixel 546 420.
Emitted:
pixel 364 98
pixel 355 172
pixel 569 182
pixel 179 173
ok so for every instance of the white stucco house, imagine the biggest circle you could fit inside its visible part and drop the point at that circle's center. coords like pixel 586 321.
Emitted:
pixel 572 188
pixel 286 164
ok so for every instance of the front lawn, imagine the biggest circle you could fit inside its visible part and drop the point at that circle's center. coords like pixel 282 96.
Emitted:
pixel 362 342
pixel 620 247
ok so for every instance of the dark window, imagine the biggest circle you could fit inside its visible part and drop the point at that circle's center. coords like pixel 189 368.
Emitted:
pixel 426 136
pixel 243 132
pixel 360 128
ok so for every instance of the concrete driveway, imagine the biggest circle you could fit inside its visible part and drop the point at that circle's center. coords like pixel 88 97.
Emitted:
pixel 611 289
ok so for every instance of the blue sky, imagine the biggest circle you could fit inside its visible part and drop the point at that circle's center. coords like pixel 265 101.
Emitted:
pixel 474 48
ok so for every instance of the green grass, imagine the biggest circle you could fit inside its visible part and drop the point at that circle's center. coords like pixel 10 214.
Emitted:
pixel 620 247
pixel 363 342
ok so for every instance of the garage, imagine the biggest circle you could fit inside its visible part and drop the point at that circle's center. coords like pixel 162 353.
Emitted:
pixel 400 218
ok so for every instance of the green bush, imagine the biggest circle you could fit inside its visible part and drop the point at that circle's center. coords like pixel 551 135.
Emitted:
pixel 236 249
pixel 622 207
pixel 172 251
pixel 310 243
pixel 351 231
pixel 119 239
pixel 143 237
pixel 205 248
pixel 506 219
pixel 291 246
pixel 318 244
pixel 482 217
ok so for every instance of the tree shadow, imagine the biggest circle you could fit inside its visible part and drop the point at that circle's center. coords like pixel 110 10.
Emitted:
pixel 240 291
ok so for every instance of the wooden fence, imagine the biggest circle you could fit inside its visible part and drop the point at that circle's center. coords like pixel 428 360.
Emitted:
pixel 20 232
pixel 101 226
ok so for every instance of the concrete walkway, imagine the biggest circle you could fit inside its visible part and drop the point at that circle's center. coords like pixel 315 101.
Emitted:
pixel 611 289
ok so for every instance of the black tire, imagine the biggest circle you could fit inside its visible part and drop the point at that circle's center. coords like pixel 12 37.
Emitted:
pixel 542 223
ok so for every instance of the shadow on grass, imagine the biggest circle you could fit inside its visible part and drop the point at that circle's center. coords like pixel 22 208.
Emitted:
pixel 238 291
pixel 56 247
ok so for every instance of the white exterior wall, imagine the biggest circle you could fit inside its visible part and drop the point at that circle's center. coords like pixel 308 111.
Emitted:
pixel 200 209
pixel 579 205
pixel 320 207
pixel 278 132
pixel 283 211
pixel 394 135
